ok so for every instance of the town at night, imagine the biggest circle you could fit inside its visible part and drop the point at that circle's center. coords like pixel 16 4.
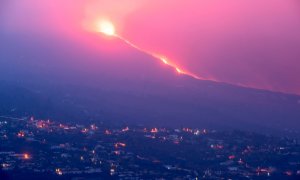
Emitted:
pixel 45 148
pixel 149 89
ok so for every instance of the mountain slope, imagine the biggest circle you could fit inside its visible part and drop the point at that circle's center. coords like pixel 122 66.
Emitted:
pixel 93 80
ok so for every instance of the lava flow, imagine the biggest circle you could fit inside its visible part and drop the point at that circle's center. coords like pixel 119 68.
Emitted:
pixel 108 29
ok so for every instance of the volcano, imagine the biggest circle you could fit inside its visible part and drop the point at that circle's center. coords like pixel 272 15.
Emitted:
pixel 97 78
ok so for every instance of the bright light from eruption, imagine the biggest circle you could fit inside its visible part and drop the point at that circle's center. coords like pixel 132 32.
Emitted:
pixel 178 70
pixel 164 60
pixel 107 28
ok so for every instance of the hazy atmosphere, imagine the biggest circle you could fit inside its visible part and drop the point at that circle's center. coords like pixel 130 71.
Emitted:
pixel 149 89
pixel 251 43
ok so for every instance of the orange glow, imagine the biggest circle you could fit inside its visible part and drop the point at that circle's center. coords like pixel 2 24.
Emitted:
pixel 42 124
pixel 21 134
pixel 164 60
pixel 178 70
pixel 154 130
pixel 159 57
pixel 117 145
pixel 26 156
pixel 106 27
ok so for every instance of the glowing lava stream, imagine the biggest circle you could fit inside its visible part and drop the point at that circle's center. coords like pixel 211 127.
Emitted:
pixel 108 29
pixel 159 57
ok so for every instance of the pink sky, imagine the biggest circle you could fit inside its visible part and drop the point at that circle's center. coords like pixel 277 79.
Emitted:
pixel 252 42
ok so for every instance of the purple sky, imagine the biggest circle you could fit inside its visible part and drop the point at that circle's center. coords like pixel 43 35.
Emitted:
pixel 252 42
